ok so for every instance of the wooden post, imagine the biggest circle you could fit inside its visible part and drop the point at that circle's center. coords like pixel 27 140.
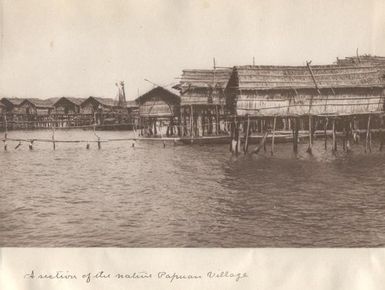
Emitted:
pixel 295 128
pixel 309 149
pixel 325 132
pixel 273 136
pixel 368 137
pixel 237 137
pixel 246 145
pixel 191 122
pixel 5 132
pixel 53 138
pixel 218 129
pixel 348 135
pixel 382 137
pixel 334 136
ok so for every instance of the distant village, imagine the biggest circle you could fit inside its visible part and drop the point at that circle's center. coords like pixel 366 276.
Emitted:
pixel 225 102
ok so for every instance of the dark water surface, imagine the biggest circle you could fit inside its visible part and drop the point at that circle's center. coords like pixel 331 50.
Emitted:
pixel 188 196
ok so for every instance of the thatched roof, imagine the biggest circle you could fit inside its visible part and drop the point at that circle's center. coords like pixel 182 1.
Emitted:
pixel 204 78
pixel 40 103
pixel 75 101
pixel 298 77
pixel 171 94
pixel 103 101
pixel 203 86
pixel 13 101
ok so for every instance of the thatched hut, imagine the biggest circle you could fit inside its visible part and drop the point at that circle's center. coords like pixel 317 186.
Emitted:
pixel 98 105
pixel 12 105
pixel 159 109
pixel 203 101
pixel 68 105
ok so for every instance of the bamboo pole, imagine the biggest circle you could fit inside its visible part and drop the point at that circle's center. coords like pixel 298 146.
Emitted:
pixel 5 132
pixel 246 145
pixel 295 134
pixel 325 134
pixel 273 136
pixel 368 137
pixel 309 149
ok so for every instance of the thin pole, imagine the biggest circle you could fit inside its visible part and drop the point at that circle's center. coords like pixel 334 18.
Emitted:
pixel 273 137
pixel 246 145
pixel 309 149
pixel 5 132
pixel 53 136
pixel 325 133
pixel 367 141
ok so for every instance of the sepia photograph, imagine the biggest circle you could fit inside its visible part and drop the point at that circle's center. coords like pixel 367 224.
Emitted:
pixel 192 124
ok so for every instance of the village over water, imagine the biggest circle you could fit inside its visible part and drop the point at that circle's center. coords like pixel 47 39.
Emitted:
pixel 237 105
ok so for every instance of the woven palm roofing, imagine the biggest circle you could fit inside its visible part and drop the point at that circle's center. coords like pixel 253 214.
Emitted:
pixel 108 102
pixel 204 78
pixel 12 101
pixel 169 93
pixel 299 77
pixel 74 100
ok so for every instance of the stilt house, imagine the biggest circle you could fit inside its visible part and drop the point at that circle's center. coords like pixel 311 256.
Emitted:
pixel 305 90
pixel 203 101
pixel 159 111
pixel 68 105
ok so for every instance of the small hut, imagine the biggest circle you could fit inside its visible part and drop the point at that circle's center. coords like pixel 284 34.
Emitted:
pixel 97 105
pixel 12 105
pixel 33 106
pixel 203 101
pixel 68 105
pixel 159 112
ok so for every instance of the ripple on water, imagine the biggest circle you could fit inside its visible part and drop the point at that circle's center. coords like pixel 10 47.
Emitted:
pixel 181 196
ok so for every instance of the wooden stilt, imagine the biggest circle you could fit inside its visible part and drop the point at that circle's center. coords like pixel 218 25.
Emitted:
pixel 295 134
pixel 368 137
pixel 246 145
pixel 334 136
pixel 348 135
pixel 53 137
pixel 309 149
pixel 273 136
pixel 326 122
pixel 5 132
pixel 238 133
pixel 261 144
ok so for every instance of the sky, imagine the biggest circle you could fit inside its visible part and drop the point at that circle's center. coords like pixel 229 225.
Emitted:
pixel 53 48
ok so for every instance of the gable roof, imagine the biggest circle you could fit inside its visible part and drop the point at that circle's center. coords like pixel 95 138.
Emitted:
pixel 295 77
pixel 204 78
pixel 40 103
pixel 173 94
pixel 13 101
pixel 76 101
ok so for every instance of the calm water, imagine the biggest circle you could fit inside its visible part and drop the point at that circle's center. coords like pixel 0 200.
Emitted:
pixel 188 196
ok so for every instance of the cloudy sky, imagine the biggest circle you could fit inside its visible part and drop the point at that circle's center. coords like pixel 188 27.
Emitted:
pixel 82 47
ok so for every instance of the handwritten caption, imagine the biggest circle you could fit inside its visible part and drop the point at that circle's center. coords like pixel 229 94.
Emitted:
pixel 141 275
